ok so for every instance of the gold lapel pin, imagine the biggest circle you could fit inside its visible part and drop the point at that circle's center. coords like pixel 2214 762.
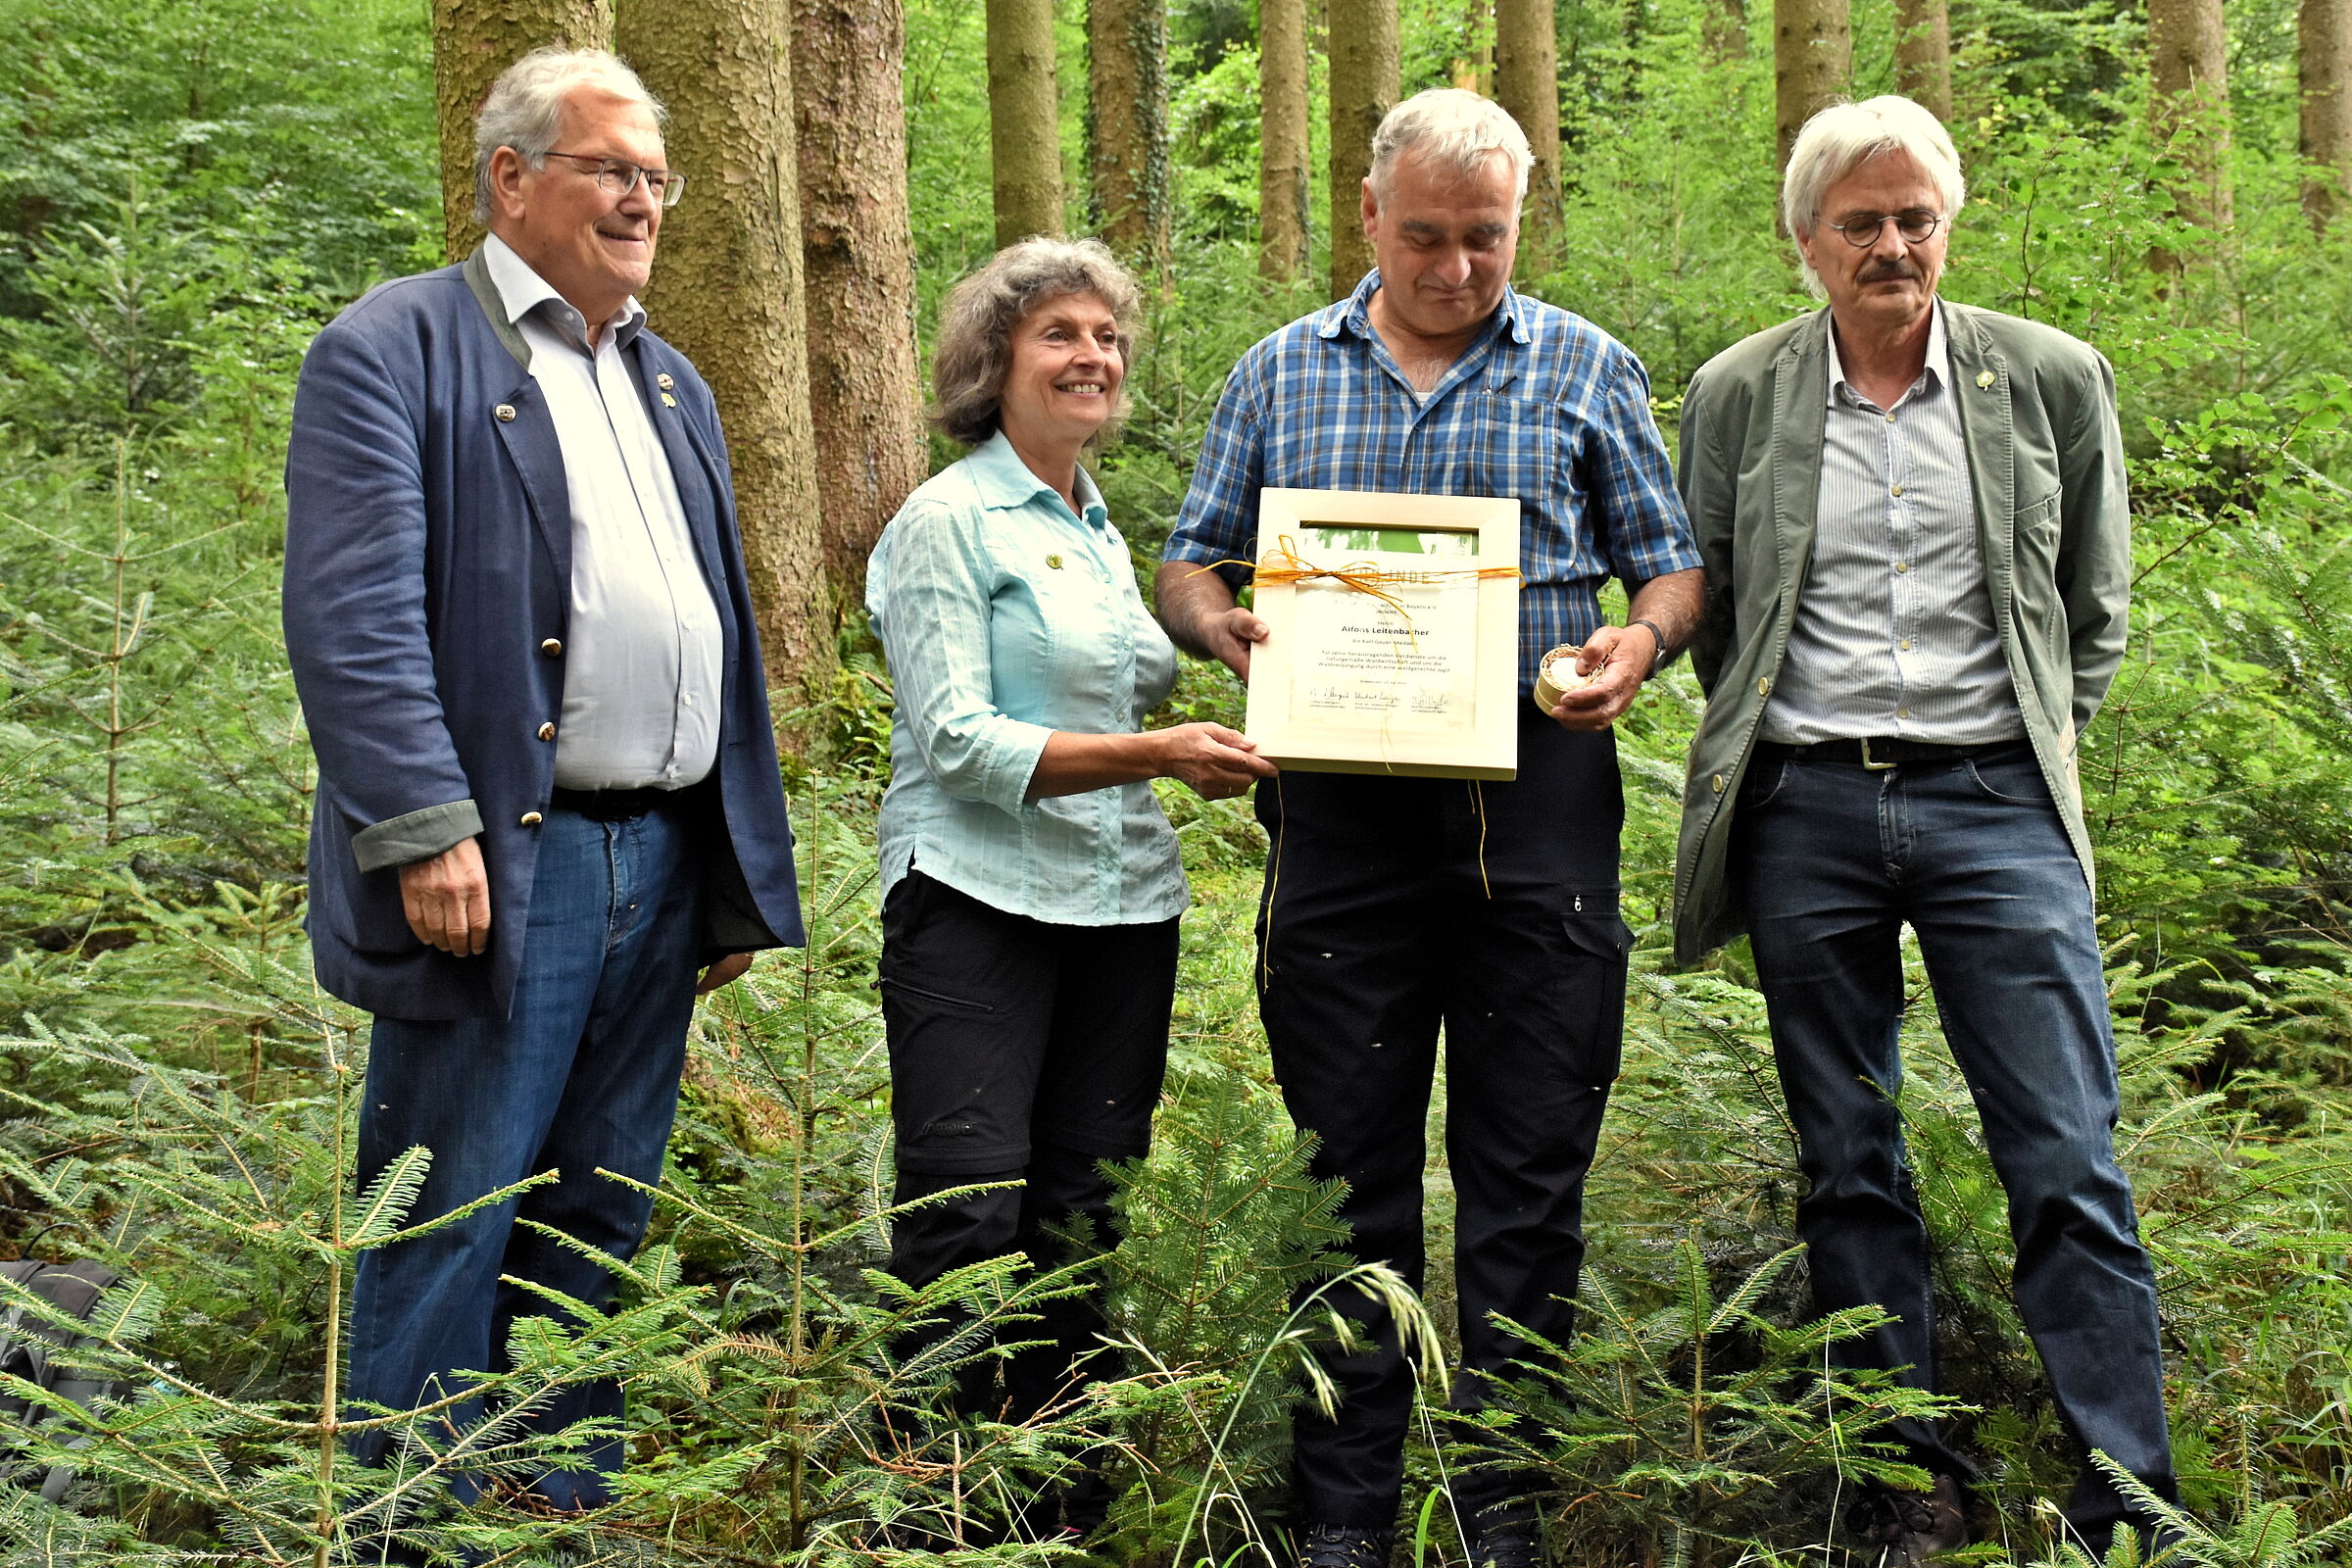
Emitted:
pixel 666 380
pixel 668 402
pixel 1984 378
pixel 1055 562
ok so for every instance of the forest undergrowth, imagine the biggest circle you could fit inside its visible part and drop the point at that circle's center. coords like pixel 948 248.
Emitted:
pixel 176 1093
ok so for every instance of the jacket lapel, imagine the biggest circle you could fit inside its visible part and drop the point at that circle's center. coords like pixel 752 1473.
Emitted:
pixel 1989 428
pixel 1799 422
pixel 690 467
pixel 530 433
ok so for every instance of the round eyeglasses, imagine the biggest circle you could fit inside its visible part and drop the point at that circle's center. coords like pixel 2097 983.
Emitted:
pixel 1915 224
pixel 617 176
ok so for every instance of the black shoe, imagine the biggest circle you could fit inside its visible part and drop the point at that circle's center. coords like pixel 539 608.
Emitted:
pixel 1899 1528
pixel 1506 1534
pixel 1345 1547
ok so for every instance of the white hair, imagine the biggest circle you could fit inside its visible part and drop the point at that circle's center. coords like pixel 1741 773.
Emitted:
pixel 525 107
pixel 1843 136
pixel 1446 124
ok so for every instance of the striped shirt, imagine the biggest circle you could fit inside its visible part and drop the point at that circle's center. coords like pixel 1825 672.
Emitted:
pixel 1544 406
pixel 1894 633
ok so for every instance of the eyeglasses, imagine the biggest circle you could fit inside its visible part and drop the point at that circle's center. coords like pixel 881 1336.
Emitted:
pixel 617 176
pixel 1915 224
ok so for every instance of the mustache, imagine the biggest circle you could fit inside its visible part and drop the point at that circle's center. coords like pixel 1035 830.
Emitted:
pixel 1886 271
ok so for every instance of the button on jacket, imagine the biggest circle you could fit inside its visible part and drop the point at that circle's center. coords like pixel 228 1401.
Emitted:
pixel 428 601
pixel 2045 461
pixel 1545 406
pixel 1006 618
pixel 641 690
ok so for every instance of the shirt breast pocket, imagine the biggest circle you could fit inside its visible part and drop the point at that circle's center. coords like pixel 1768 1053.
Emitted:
pixel 1519 448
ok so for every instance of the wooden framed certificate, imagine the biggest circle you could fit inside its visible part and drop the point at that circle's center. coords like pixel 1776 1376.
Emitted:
pixel 1393 641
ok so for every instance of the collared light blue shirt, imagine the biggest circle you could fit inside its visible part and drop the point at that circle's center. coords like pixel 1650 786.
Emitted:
pixel 1007 617
pixel 1545 406
pixel 1894 633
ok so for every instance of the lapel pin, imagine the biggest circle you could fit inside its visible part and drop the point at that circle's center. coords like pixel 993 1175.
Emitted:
pixel 666 380
pixel 668 402
pixel 1053 562
pixel 1984 378
pixel 505 413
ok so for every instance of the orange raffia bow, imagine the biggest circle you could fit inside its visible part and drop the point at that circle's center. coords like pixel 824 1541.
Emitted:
pixel 1283 566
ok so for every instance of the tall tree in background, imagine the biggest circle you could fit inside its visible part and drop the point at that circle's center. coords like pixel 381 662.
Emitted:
pixel 859 246
pixel 1812 62
pixel 1922 55
pixel 1723 29
pixel 2324 73
pixel 1365 44
pixel 728 291
pixel 473 40
pixel 2188 108
pixel 1127 124
pixel 1283 220
pixel 1527 84
pixel 1024 131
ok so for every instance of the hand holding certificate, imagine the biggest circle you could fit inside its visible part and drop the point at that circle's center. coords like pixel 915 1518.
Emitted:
pixel 1392 633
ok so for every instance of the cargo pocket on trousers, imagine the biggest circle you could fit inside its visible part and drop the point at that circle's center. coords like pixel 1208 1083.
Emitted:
pixel 1592 995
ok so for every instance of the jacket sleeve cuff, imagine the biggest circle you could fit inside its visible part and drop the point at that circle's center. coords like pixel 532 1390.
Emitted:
pixel 416 835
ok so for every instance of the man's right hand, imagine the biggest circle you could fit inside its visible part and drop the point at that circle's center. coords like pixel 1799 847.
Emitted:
pixel 1197 606
pixel 1229 638
pixel 447 899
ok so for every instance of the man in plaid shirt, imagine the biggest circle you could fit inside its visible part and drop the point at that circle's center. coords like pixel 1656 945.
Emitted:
pixel 1403 903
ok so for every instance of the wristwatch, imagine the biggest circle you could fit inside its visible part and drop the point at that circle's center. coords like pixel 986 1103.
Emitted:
pixel 1656 636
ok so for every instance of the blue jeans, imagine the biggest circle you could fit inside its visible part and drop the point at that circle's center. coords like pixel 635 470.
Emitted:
pixel 583 1074
pixel 1971 851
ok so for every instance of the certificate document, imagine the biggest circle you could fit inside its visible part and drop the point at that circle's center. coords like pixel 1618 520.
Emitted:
pixel 1393 641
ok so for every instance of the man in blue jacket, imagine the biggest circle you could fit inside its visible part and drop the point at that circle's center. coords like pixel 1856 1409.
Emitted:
pixel 548 796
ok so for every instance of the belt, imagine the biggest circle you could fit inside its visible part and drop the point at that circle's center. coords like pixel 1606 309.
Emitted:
pixel 1880 753
pixel 614 805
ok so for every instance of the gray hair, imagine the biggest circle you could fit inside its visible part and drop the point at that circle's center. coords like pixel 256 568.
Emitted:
pixel 1448 125
pixel 525 107
pixel 974 348
pixel 1842 137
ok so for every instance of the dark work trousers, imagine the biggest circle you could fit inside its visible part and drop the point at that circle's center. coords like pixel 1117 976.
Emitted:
pixel 1395 904
pixel 1836 859
pixel 1020 1050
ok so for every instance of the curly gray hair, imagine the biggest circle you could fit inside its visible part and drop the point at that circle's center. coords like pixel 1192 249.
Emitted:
pixel 974 349
pixel 525 110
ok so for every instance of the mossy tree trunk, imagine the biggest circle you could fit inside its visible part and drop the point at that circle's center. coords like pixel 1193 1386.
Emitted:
pixel 2323 71
pixel 2188 109
pixel 1723 29
pixel 1282 219
pixel 728 291
pixel 1527 84
pixel 473 40
pixel 1812 62
pixel 1364 47
pixel 1127 125
pixel 1024 129
pixel 857 244
pixel 1922 55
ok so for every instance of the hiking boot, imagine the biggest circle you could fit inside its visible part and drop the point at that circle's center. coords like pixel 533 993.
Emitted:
pixel 1343 1546
pixel 1897 1529
pixel 1506 1534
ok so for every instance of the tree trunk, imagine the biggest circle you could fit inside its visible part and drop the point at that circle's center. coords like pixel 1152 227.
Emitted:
pixel 1922 55
pixel 1127 118
pixel 859 246
pixel 1024 127
pixel 727 292
pixel 2188 108
pixel 1723 29
pixel 1812 62
pixel 1527 84
pixel 2323 68
pixel 473 40
pixel 1283 222
pixel 1364 66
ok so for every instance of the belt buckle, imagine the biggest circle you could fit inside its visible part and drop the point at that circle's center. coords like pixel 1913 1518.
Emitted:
pixel 1870 765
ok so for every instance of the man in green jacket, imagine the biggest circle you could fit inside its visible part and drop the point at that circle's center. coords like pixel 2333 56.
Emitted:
pixel 1916 537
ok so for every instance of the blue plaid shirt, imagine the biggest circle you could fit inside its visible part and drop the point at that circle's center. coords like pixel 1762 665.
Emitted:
pixel 1545 407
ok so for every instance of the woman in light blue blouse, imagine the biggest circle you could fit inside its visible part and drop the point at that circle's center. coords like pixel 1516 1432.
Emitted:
pixel 1031 884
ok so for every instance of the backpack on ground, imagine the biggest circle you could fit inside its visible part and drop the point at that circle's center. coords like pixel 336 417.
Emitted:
pixel 28 1348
